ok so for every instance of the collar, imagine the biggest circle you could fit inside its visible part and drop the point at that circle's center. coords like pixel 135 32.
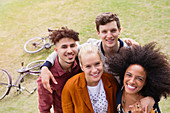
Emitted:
pixel 59 69
pixel 121 45
pixel 83 83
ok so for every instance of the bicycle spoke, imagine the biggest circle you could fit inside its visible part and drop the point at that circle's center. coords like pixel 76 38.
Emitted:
pixel 34 45
pixel 4 84
pixel 29 83
pixel 36 68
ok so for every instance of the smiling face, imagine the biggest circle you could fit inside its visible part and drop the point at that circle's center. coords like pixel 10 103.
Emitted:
pixel 134 79
pixel 92 66
pixel 109 34
pixel 67 50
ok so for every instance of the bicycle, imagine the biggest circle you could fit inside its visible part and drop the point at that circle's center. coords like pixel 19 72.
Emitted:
pixel 36 44
pixel 26 80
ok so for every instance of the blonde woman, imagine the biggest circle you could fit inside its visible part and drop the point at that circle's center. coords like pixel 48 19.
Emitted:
pixel 91 91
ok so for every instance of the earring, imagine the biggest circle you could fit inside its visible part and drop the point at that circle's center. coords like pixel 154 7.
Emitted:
pixel 122 87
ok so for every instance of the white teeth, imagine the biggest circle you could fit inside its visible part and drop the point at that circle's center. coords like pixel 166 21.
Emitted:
pixel 131 87
pixel 95 75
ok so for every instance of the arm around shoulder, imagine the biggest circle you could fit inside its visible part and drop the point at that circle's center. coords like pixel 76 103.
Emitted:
pixel 52 57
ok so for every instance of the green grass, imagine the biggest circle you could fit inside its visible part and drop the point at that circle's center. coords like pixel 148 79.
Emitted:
pixel 20 20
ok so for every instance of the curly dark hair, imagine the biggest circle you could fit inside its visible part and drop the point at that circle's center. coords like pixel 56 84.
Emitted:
pixel 64 32
pixel 105 18
pixel 155 63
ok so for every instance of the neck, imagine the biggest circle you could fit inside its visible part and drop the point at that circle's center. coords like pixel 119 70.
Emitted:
pixel 64 65
pixel 129 99
pixel 110 51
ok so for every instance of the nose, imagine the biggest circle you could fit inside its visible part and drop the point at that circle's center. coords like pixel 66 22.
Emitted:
pixel 69 50
pixel 94 69
pixel 132 80
pixel 109 34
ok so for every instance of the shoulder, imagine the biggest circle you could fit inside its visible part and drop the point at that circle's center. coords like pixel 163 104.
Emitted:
pixel 156 108
pixel 123 44
pixel 110 78
pixel 73 81
pixel 93 41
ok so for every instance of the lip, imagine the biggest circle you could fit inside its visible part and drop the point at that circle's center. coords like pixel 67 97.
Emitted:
pixel 96 75
pixel 130 87
pixel 70 56
pixel 110 40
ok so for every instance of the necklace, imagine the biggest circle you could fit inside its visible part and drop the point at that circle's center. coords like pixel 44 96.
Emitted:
pixel 128 100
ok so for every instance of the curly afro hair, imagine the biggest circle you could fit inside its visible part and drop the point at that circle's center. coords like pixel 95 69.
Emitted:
pixel 64 32
pixel 155 63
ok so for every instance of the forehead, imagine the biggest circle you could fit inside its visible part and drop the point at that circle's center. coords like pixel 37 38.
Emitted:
pixel 90 58
pixel 109 25
pixel 66 41
pixel 136 69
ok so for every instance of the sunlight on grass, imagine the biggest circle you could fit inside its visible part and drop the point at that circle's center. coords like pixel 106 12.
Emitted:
pixel 20 20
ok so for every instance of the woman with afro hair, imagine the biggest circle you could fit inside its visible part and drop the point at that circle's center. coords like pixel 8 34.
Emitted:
pixel 143 71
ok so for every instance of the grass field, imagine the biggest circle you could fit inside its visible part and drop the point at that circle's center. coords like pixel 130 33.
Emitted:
pixel 20 20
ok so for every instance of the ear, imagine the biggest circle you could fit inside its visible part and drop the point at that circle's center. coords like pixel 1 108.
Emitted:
pixel 55 49
pixel 98 33
pixel 120 29
pixel 81 67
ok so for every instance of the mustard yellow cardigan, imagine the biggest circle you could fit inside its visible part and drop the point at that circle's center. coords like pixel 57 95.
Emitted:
pixel 75 97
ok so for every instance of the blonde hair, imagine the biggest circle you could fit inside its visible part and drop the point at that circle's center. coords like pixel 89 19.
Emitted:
pixel 88 49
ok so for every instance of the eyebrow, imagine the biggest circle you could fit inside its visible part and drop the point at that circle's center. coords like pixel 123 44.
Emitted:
pixel 136 76
pixel 140 77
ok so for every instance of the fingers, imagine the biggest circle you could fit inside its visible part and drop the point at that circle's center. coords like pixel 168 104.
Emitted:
pixel 128 42
pixel 47 87
pixel 46 75
pixel 147 103
pixel 53 79
pixel 146 109
pixel 136 108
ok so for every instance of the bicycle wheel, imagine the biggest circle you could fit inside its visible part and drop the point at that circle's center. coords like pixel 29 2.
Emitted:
pixel 34 45
pixel 5 83
pixel 34 66
pixel 28 82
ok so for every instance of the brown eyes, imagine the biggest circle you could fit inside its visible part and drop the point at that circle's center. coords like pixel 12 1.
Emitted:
pixel 112 31
pixel 137 77
pixel 66 46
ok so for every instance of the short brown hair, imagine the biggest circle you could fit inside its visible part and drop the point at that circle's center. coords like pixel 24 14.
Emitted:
pixel 105 18
pixel 64 32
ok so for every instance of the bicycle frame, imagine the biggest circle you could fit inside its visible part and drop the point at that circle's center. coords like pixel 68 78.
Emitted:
pixel 47 44
pixel 36 44
pixel 23 72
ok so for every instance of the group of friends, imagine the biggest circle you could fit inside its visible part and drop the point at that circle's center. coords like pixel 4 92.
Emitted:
pixel 102 76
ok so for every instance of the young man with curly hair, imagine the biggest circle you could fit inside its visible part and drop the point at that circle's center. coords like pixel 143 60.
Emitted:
pixel 65 66
pixel 108 29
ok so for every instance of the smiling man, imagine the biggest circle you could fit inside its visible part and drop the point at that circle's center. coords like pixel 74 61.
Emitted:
pixel 108 29
pixel 65 67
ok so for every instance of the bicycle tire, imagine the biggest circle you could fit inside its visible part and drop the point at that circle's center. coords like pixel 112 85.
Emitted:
pixel 28 82
pixel 31 65
pixel 34 45
pixel 5 83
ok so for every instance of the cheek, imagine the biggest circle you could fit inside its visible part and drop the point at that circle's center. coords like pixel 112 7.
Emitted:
pixel 75 50
pixel 141 84
pixel 125 79
pixel 116 34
